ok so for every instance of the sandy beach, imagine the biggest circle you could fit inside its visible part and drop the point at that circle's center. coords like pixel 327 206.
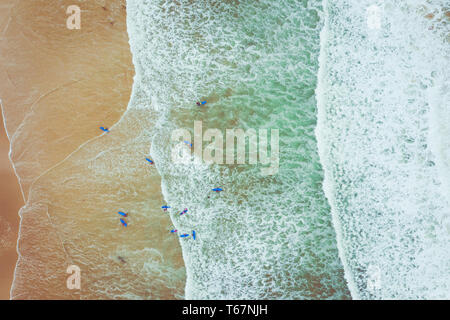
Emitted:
pixel 58 87
pixel 54 80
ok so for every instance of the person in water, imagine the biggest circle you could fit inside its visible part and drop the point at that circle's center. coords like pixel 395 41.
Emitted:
pixel 201 103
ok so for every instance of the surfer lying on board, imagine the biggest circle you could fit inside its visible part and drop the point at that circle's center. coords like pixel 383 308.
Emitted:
pixel 104 129
pixel 201 103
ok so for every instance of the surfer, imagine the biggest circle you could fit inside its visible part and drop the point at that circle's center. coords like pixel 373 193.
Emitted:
pixel 217 189
pixel 188 143
pixel 174 230
pixel 123 223
pixel 104 129
pixel 193 234
pixel 165 208
pixel 149 160
pixel 201 103
pixel 183 212
pixel 184 235
pixel 123 213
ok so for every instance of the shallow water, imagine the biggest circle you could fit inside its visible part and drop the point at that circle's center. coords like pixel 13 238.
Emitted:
pixel 76 205
pixel 72 203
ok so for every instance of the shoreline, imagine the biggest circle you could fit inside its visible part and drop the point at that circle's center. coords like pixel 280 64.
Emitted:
pixel 55 92
pixel 10 201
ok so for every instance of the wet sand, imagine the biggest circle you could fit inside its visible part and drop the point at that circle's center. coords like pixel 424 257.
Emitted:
pixel 44 63
pixel 10 201
pixel 57 87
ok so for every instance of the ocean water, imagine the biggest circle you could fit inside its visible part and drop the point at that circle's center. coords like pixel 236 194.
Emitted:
pixel 256 64
pixel 383 110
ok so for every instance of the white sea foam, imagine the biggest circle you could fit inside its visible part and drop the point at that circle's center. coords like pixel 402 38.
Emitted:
pixel 383 142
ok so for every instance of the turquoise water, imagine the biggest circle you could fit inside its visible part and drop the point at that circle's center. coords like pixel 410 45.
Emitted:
pixel 371 100
pixel 256 64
